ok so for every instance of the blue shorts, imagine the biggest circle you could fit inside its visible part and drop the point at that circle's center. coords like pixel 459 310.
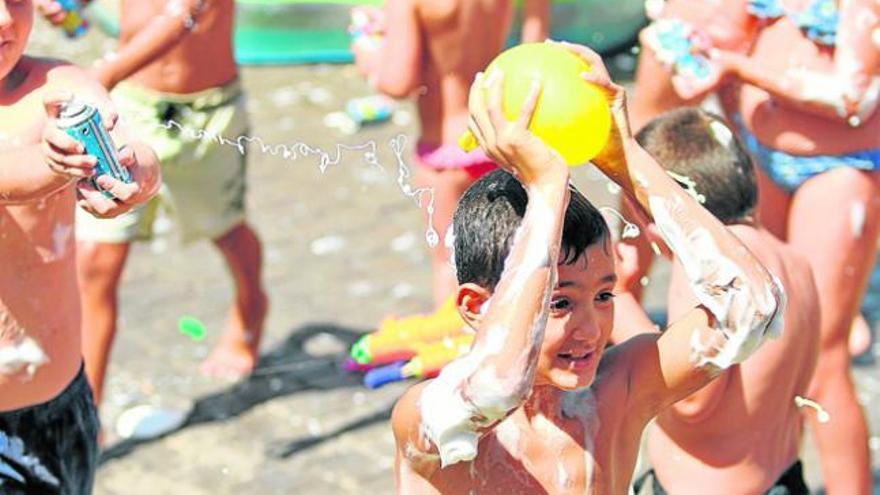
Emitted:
pixel 790 171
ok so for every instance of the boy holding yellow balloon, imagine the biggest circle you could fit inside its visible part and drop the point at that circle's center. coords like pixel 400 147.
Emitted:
pixel 531 409
pixel 433 48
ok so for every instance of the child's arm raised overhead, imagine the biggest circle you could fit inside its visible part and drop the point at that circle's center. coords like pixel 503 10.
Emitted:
pixel 474 393
pixel 739 300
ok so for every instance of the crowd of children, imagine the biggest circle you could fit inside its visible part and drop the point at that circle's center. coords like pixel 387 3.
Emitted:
pixel 770 212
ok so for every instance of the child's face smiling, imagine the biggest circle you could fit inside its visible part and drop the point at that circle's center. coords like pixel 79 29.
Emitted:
pixel 580 322
pixel 16 20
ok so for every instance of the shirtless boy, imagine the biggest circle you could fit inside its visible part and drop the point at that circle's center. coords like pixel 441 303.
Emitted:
pixel 173 69
pixel 48 424
pixel 530 409
pixel 750 408
pixel 808 115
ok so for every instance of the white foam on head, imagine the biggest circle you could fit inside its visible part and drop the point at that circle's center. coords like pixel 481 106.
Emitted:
pixel 721 133
pixel 690 185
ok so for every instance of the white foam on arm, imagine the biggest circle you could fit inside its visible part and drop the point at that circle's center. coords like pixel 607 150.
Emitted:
pixel 478 390
pixel 745 300
pixel 746 309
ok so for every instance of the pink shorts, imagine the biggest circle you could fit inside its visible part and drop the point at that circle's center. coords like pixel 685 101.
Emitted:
pixel 450 156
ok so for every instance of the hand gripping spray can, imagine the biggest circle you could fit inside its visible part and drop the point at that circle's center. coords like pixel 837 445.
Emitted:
pixel 74 24
pixel 82 122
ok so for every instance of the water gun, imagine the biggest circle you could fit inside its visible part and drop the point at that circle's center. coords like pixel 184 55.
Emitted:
pixel 400 340
pixel 74 24
pixel 426 364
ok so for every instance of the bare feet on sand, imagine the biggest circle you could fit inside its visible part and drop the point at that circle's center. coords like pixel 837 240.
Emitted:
pixel 237 352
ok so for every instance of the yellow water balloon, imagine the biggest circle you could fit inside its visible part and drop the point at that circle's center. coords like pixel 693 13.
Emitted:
pixel 572 115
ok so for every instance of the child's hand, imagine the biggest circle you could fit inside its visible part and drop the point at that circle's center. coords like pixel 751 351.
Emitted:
pixel 611 159
pixel 719 63
pixel 65 155
pixel 510 144
pixel 125 195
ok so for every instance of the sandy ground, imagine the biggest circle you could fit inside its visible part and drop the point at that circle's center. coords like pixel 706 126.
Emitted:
pixel 343 248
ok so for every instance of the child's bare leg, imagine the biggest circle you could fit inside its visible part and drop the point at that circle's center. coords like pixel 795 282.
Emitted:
pixel 841 254
pixel 100 269
pixel 449 185
pixel 773 205
pixel 236 354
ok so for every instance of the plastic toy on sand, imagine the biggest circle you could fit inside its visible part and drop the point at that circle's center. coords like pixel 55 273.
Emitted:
pixel 74 25
pixel 572 115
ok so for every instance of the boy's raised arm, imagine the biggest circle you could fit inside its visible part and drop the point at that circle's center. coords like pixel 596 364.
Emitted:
pixel 474 393
pixel 739 300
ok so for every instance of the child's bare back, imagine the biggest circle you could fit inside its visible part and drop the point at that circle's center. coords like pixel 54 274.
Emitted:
pixel 749 409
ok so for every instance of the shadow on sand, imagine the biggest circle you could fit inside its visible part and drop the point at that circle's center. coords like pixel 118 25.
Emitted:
pixel 286 370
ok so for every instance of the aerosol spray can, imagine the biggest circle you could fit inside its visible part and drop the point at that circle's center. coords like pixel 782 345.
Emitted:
pixel 74 24
pixel 82 122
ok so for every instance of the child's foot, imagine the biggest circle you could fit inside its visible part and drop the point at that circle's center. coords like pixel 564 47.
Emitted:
pixel 232 359
pixel 237 353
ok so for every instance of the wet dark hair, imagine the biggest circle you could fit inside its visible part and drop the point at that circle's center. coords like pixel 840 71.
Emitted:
pixel 486 220
pixel 683 141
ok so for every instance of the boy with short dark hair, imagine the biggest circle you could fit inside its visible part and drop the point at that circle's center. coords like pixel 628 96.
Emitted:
pixel 531 409
pixel 752 407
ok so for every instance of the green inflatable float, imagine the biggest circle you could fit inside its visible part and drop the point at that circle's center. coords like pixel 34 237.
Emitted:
pixel 315 31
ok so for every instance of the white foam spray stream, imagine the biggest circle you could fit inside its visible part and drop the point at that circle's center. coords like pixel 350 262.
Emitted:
pixel 326 159
pixel 630 230
pixel 821 414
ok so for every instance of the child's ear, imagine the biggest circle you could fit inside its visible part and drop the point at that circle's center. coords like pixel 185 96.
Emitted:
pixel 471 301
